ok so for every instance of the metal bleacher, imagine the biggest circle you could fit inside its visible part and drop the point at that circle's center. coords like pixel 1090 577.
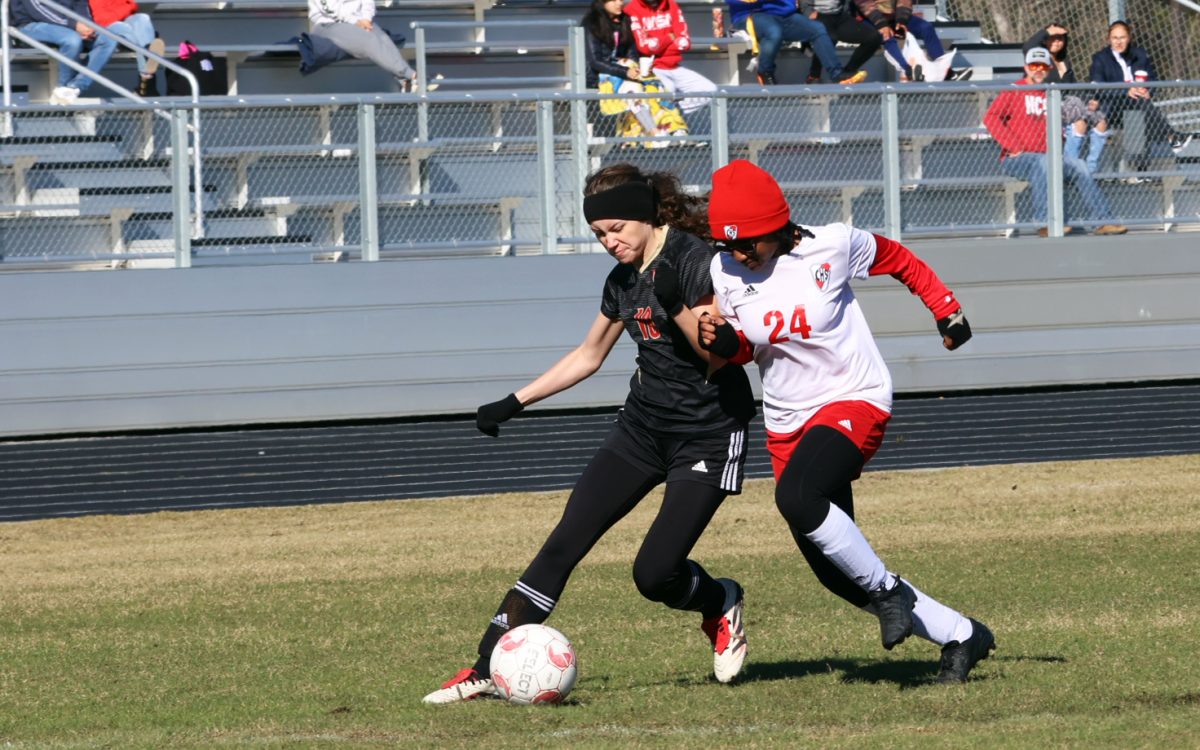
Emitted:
pixel 461 170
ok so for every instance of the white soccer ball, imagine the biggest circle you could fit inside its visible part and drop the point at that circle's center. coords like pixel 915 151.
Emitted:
pixel 533 664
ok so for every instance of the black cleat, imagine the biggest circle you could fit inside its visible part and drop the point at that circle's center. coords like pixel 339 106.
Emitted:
pixel 766 79
pixel 894 608
pixel 959 658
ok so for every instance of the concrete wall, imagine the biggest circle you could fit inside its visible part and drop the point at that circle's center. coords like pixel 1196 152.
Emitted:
pixel 99 351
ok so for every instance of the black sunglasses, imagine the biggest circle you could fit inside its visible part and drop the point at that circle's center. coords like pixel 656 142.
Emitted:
pixel 745 247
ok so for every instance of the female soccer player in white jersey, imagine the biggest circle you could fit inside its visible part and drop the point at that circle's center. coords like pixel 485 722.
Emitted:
pixel 680 424
pixel 784 298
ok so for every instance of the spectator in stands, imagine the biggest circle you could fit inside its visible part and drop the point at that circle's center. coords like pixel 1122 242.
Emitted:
pixel 660 31
pixel 1017 120
pixel 1078 117
pixel 894 20
pixel 350 25
pixel 841 20
pixel 54 28
pixel 613 68
pixel 770 23
pixel 1122 61
pixel 121 17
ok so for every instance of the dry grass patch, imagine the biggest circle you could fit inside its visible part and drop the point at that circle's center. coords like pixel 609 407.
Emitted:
pixel 322 626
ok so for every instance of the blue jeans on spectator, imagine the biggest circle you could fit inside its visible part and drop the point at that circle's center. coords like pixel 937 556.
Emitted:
pixel 1096 142
pixel 70 44
pixel 138 29
pixel 925 32
pixel 1031 168
pixel 772 31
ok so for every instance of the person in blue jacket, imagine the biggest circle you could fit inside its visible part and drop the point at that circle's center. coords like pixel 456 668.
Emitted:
pixel 774 22
pixel 52 27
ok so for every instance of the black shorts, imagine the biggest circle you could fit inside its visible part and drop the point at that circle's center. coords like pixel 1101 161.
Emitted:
pixel 714 460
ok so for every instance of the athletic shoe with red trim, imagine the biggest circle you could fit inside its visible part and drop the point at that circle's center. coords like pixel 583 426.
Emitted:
pixel 727 634
pixel 464 686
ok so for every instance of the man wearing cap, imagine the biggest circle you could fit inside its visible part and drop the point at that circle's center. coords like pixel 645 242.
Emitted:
pixel 784 300
pixel 1017 120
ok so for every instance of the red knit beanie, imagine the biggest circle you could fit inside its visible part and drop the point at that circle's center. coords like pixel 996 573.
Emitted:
pixel 745 202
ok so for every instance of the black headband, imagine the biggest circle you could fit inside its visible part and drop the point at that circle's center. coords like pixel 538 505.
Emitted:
pixel 629 200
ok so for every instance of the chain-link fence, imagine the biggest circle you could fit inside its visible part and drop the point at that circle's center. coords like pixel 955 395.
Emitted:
pixel 1169 31
pixel 70 186
pixel 315 179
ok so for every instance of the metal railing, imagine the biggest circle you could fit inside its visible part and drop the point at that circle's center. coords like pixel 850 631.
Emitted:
pixel 6 130
pixel 371 177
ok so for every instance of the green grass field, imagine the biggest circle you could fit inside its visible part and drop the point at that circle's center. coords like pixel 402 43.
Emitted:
pixel 324 626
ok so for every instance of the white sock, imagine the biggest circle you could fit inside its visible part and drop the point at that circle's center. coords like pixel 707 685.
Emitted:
pixel 846 547
pixel 936 622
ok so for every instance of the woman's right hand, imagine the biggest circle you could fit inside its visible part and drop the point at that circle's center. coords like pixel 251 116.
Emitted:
pixel 489 416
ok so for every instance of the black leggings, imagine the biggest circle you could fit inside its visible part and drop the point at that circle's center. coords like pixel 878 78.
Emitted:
pixel 609 488
pixel 818 474
pixel 607 491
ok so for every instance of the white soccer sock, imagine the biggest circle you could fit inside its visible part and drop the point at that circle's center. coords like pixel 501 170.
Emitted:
pixel 846 547
pixel 936 622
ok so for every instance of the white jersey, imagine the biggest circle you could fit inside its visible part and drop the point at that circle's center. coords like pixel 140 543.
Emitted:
pixel 811 340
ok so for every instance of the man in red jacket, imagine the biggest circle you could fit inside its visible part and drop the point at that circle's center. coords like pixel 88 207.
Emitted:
pixel 1017 120
pixel 660 31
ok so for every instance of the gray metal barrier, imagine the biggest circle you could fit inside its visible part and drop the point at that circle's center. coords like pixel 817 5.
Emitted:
pixel 317 178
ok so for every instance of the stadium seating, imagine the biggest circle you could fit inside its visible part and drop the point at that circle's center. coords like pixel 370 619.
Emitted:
pixel 100 177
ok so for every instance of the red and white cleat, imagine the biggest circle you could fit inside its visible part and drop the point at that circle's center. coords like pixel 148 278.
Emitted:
pixel 727 634
pixel 464 686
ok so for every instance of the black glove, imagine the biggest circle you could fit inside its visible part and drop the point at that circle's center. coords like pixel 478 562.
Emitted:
pixel 666 288
pixel 726 344
pixel 489 416
pixel 955 329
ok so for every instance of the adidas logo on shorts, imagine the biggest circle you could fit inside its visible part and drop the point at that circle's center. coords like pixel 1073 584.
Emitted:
pixel 700 467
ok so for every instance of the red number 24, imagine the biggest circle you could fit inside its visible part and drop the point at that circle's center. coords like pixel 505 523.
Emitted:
pixel 799 325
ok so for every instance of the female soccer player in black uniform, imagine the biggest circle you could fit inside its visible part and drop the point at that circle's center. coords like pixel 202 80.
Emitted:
pixel 680 424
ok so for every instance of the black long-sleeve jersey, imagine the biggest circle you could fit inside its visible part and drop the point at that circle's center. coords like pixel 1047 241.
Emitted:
pixel 670 393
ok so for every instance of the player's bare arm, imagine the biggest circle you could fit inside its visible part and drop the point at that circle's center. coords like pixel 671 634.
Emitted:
pixel 576 366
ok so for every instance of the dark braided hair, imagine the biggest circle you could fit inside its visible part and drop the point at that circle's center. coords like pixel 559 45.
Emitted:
pixel 685 212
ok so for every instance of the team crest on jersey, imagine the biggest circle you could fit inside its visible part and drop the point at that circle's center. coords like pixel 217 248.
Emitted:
pixel 821 275
pixel 731 231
